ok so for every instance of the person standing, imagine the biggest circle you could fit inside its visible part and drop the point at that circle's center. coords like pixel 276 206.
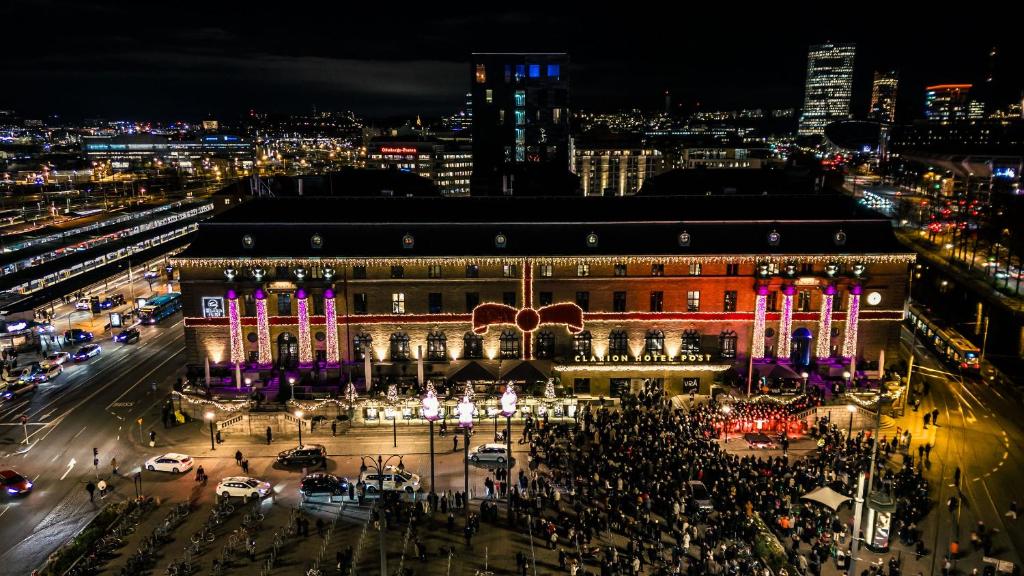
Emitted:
pixel 91 489
pixel 238 457
pixel 113 465
pixel 245 466
pixel 935 417
pixel 270 435
pixel 334 427
pixel 455 443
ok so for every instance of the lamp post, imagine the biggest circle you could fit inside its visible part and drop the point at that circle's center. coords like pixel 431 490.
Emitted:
pixel 378 467
pixel 209 418
pixel 805 376
pixel 465 409
pixel 431 412
pixel 393 406
pixel 298 422
pixel 291 383
pixel 846 377
pixel 727 409
pixel 849 429
pixel 508 408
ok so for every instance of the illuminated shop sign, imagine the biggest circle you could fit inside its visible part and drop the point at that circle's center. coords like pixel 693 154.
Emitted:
pixel 627 358
pixel 397 150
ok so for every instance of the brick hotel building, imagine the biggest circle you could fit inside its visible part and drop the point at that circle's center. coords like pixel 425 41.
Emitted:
pixel 599 293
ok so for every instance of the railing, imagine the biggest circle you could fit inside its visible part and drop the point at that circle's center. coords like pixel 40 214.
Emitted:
pixel 225 424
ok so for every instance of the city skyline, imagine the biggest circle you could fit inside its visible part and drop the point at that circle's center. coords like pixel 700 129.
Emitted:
pixel 143 63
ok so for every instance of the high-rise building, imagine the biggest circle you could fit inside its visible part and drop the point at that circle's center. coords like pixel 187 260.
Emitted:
pixel 947 103
pixel 883 97
pixel 829 86
pixel 520 106
pixel 616 169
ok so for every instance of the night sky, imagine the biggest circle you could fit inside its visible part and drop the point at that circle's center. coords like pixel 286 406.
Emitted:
pixel 187 60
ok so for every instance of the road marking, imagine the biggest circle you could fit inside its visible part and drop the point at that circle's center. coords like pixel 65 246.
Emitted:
pixel 79 432
pixel 6 508
pixel 68 471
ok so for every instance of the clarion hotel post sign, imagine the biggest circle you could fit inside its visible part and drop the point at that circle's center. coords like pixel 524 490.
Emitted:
pixel 650 358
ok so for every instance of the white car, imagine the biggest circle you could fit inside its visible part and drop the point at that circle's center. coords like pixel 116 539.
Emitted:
pixel 45 373
pixel 243 487
pixel 488 453
pixel 83 304
pixel 394 479
pixel 170 462
pixel 56 359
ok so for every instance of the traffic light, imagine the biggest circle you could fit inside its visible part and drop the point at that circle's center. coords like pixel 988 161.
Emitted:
pixel 95 452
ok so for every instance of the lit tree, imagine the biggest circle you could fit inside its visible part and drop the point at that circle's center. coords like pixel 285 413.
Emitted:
pixel 351 395
pixel 549 389
pixel 393 394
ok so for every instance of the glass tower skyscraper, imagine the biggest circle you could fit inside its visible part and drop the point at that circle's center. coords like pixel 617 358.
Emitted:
pixel 829 86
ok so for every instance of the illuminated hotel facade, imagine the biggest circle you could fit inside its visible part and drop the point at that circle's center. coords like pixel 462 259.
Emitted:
pixel 601 294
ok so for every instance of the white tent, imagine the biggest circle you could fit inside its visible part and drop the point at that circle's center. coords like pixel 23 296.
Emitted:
pixel 826 496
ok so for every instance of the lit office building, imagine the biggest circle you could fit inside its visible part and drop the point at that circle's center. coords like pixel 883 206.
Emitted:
pixel 829 87
pixel 448 164
pixel 616 171
pixel 946 103
pixel 883 97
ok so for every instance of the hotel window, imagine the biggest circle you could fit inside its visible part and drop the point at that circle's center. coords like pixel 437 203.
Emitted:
pixel 437 346
pixel 727 344
pixel 554 71
pixel 399 346
pixel 772 301
pixel 545 344
pixel 472 300
pixel 773 268
pixel 803 300
pixel 618 302
pixel 654 342
pixel 581 344
pixel 693 301
pixel 544 298
pixel 807 268
pixel 545 270
pixel 508 299
pixel 657 269
pixel 520 98
pixel 398 271
pixel 358 272
pixel 657 301
pixel 581 385
pixel 620 269
pixel 434 302
pixel 472 346
pixel 691 342
pixel 249 305
pixel 434 271
pixel 618 343
pixel 582 270
pixel 398 303
pixel 556 115
pixel 318 306
pixel 730 301
pixel 695 269
pixel 489 95
pixel 481 74
pixel 509 270
pixel 732 269
pixel 509 344
pixel 583 300
pixel 472 271
pixel 534 70
pixel 284 304
pixel 362 344
pixel 360 302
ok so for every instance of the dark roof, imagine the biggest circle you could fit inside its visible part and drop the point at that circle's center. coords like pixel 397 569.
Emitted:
pixel 354 182
pixel 537 226
pixel 472 370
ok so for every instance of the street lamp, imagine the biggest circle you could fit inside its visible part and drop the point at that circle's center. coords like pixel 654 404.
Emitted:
pixel 291 382
pixel 431 412
pixel 726 410
pixel 392 399
pixel 846 377
pixel 849 429
pixel 508 408
pixel 209 418
pixel 378 467
pixel 298 421
pixel 465 409
pixel 805 376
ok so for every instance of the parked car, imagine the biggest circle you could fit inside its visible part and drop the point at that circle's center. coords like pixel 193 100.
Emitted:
pixel 44 373
pixel 322 483
pixel 170 462
pixel 56 359
pixel 15 376
pixel 243 487
pixel 15 484
pixel 308 455
pixel 77 336
pixel 488 453
pixel 756 440
pixel 86 352
pixel 17 389
pixel 393 479
pixel 699 493
pixel 127 336
pixel 83 304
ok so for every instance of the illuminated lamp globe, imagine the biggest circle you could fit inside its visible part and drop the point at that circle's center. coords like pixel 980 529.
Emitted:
pixel 508 401
pixel 431 407
pixel 465 410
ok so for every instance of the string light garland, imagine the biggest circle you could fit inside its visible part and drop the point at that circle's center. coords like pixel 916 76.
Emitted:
pixel 786 322
pixel 641 368
pixel 850 336
pixel 305 344
pixel 824 348
pixel 332 326
pixel 262 330
pixel 237 345
pixel 215 404
pixel 760 308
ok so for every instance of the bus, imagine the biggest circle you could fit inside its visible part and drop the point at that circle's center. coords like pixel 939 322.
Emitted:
pixel 160 307
pixel 950 345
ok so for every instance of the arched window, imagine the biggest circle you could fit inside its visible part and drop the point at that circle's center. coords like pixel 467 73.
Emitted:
pixel 545 342
pixel 362 344
pixel 654 342
pixel 727 344
pixel 472 346
pixel 509 344
pixel 618 343
pixel 437 346
pixel 581 344
pixel 399 346
pixel 691 342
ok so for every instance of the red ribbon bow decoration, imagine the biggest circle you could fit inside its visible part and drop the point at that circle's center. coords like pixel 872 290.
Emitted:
pixel 527 319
